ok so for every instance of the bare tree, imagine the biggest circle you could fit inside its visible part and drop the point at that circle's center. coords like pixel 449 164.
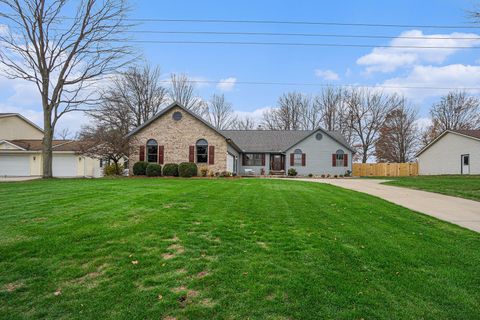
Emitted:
pixel 367 111
pixel 245 123
pixel 456 111
pixel 105 143
pixel 330 106
pixel 134 97
pixel 398 138
pixel 183 91
pixel 290 113
pixel 220 112
pixel 62 55
pixel 64 134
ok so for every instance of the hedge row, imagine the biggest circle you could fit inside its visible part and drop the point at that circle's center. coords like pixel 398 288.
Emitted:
pixel 184 169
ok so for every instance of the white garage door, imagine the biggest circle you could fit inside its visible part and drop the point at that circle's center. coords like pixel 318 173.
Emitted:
pixel 230 161
pixel 14 165
pixel 64 165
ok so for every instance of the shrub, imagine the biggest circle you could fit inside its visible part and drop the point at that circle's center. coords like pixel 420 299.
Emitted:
pixel 348 173
pixel 187 169
pixel 170 170
pixel 112 170
pixel 140 168
pixel 226 174
pixel 154 170
pixel 292 172
pixel 203 171
pixel 211 174
pixel 310 175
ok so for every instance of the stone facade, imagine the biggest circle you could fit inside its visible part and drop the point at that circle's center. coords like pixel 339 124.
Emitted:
pixel 177 137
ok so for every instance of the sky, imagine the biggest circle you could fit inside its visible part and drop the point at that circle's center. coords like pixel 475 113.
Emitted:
pixel 233 65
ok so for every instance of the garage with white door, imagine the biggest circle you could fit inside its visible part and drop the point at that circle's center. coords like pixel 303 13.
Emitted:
pixel 14 165
pixel 64 165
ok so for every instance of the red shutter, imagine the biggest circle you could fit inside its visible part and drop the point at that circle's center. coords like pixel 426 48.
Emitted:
pixel 292 159
pixel 334 160
pixel 304 159
pixel 263 159
pixel 191 154
pixel 345 160
pixel 211 154
pixel 142 153
pixel 161 151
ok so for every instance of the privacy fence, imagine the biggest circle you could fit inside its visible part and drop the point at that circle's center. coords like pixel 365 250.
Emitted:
pixel 385 169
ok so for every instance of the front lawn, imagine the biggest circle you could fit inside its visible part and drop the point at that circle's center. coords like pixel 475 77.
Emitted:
pixel 226 249
pixel 458 186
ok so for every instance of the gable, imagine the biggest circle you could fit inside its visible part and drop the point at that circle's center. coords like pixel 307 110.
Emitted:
pixel 165 128
pixel 7 145
pixel 16 127
pixel 446 138
pixel 327 144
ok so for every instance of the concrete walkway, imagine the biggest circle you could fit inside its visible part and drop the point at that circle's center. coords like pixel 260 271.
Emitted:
pixel 463 212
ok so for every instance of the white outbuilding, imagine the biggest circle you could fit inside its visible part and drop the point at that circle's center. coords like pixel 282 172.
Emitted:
pixel 21 152
pixel 453 152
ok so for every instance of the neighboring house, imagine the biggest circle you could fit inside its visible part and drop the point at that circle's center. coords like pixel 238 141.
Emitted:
pixel 177 135
pixel 453 152
pixel 21 151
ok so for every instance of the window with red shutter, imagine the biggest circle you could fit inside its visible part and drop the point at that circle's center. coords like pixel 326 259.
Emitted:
pixel 191 154
pixel 141 154
pixel 161 151
pixel 211 154
pixel 304 159
pixel 292 159
pixel 334 160
pixel 345 160
pixel 263 159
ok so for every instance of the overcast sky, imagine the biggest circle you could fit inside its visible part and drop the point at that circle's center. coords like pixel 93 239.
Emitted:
pixel 234 64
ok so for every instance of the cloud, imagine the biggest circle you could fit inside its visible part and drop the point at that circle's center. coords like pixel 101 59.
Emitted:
pixel 227 84
pixel 390 59
pixel 423 123
pixel 327 75
pixel 449 76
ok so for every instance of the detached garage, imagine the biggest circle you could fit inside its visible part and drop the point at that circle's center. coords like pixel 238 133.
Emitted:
pixel 453 152
pixel 21 152
pixel 23 158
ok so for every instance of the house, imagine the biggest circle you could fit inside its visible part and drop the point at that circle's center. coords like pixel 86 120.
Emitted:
pixel 176 135
pixel 21 152
pixel 453 152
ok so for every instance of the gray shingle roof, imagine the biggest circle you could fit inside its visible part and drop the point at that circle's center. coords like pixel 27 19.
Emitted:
pixel 273 140
pixel 265 140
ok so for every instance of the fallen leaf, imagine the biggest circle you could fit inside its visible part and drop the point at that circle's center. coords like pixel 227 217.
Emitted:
pixel 135 262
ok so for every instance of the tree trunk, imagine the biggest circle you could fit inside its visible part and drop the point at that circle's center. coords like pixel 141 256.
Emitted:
pixel 47 145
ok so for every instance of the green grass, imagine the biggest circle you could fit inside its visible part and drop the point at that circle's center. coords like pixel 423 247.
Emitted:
pixel 458 186
pixel 227 249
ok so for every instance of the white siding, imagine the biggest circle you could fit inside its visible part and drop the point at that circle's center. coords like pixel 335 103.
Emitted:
pixel 444 156
pixel 319 156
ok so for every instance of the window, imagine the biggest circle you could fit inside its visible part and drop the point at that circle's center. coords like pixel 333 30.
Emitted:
pixel 152 151
pixel 340 155
pixel 319 136
pixel 297 157
pixel 253 159
pixel 177 116
pixel 202 151
pixel 466 160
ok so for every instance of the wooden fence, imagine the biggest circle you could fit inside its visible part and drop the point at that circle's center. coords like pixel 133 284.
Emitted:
pixel 385 169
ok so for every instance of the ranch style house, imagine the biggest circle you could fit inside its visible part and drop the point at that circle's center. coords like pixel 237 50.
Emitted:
pixel 176 135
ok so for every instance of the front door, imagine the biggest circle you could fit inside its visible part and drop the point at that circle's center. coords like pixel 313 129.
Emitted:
pixel 465 164
pixel 276 162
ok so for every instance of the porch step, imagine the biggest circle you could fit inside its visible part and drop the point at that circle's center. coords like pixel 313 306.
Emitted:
pixel 277 173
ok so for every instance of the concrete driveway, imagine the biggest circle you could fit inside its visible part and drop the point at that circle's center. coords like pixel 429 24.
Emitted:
pixel 463 212
pixel 11 179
